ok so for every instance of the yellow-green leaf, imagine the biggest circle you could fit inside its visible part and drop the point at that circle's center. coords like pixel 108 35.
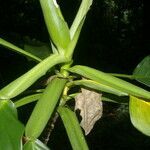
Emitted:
pixel 140 114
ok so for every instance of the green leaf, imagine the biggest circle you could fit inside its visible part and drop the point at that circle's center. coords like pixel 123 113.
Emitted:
pixel 110 80
pixel 22 83
pixel 11 130
pixel 140 114
pixel 27 100
pixel 97 86
pixel 142 71
pixel 81 14
pixel 35 145
pixel 73 42
pixel 56 25
pixel 73 129
pixel 44 108
pixel 40 51
pixel 19 50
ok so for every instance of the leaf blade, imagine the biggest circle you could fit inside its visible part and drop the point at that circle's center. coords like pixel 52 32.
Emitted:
pixel 57 27
pixel 140 114
pixel 23 82
pixel 142 72
pixel 27 100
pixel 47 102
pixel 73 129
pixel 84 7
pixel 98 86
pixel 11 130
pixel 109 80
pixel 19 50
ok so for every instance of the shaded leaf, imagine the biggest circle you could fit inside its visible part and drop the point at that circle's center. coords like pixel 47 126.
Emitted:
pixel 90 105
pixel 19 50
pixel 140 114
pixel 73 129
pixel 142 71
pixel 11 130
pixel 40 51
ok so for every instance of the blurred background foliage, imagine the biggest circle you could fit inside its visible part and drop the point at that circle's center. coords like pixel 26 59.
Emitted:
pixel 112 40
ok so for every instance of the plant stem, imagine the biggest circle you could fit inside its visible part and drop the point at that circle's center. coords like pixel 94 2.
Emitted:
pixel 49 128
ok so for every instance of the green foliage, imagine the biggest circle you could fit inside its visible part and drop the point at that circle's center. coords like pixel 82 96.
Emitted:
pixel 11 130
pixel 73 128
pixel 56 25
pixel 139 113
pixel 19 50
pixel 97 86
pixel 111 81
pixel 45 106
pixel 22 83
pixel 142 71
pixel 54 96
pixel 27 99
pixel 42 51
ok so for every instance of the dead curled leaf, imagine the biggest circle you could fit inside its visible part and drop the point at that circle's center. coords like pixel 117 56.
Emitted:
pixel 90 105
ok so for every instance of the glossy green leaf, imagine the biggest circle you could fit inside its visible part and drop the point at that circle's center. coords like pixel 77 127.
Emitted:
pixel 142 71
pixel 35 145
pixel 44 108
pixel 97 86
pixel 56 25
pixel 19 50
pixel 22 83
pixel 27 100
pixel 110 80
pixel 73 129
pixel 11 130
pixel 140 114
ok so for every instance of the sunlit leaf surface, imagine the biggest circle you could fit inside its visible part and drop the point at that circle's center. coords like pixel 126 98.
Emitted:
pixel 140 114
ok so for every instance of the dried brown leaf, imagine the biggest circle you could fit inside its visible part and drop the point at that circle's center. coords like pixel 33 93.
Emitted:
pixel 90 105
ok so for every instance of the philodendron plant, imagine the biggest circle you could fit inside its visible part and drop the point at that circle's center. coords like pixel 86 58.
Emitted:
pixel 94 87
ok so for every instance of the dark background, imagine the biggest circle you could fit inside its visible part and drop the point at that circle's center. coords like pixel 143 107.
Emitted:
pixel 112 40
